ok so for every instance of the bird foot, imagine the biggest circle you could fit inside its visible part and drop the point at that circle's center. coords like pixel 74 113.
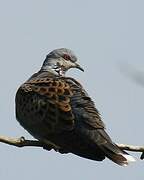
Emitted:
pixel 48 145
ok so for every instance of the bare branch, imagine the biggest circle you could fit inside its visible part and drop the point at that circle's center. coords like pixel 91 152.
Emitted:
pixel 132 148
pixel 22 142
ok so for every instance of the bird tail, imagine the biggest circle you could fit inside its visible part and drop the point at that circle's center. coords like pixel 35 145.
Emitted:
pixel 114 153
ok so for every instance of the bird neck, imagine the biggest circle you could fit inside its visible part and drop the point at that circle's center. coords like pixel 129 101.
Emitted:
pixel 55 70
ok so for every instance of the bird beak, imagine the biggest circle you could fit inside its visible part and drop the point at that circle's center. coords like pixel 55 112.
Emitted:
pixel 79 67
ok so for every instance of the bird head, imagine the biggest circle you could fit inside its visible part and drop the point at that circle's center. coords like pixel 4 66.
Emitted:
pixel 59 61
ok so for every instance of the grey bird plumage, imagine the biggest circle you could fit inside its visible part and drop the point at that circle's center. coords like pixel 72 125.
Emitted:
pixel 57 111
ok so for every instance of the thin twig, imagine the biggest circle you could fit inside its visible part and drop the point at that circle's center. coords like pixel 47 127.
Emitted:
pixel 22 142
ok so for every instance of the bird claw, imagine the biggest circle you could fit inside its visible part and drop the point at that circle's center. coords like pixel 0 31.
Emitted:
pixel 22 139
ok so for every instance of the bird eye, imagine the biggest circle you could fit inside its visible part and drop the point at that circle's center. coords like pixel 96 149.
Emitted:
pixel 66 57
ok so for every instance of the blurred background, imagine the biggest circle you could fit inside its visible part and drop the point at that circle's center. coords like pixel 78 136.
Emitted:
pixel 106 36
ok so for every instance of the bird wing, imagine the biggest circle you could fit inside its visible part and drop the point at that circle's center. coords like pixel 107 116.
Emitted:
pixel 83 106
pixel 87 118
pixel 45 102
pixel 56 103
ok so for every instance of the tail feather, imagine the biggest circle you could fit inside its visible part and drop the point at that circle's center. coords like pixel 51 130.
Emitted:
pixel 114 153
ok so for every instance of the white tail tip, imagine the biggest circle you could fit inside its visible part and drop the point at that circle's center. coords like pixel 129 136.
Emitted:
pixel 129 159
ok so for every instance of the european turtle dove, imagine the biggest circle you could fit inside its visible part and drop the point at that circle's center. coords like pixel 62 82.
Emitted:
pixel 56 110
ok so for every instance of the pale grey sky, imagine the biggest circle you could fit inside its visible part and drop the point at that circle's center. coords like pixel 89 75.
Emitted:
pixel 103 34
